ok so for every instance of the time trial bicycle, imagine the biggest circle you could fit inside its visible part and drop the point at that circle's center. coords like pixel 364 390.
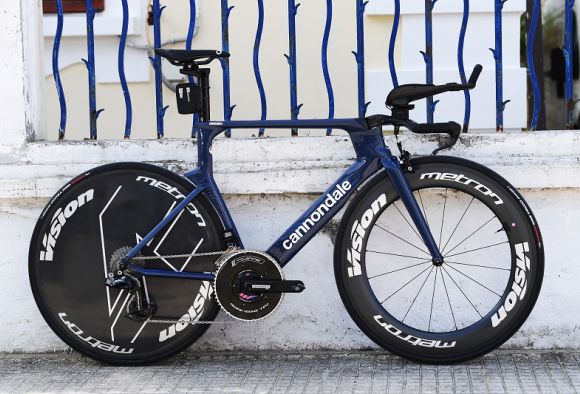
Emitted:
pixel 437 259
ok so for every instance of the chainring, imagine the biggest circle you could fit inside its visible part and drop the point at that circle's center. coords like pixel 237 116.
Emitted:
pixel 244 265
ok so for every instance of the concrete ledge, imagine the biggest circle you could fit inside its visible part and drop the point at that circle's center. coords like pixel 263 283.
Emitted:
pixel 545 164
pixel 548 159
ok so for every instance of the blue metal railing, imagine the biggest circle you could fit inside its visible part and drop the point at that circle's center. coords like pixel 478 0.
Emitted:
pixel 56 69
pixel 291 56
pixel 188 46
pixel 498 57
pixel 360 56
pixel 228 107
pixel 259 82
pixel 569 58
pixel 393 41
pixel 122 78
pixel 428 55
pixel 90 63
pixel 157 66
pixel 324 59
pixel 531 66
pixel 461 64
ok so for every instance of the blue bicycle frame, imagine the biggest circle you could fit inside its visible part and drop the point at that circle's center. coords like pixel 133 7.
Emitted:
pixel 372 155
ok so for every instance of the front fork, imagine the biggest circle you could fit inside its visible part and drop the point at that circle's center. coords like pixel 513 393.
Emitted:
pixel 397 176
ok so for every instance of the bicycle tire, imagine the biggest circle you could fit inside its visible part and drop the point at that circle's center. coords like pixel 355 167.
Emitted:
pixel 384 321
pixel 91 217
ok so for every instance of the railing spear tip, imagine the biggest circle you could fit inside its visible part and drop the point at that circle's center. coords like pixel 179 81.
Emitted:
pixel 98 112
pixel 367 106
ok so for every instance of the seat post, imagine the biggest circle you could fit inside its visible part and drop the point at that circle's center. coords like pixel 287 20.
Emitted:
pixel 203 75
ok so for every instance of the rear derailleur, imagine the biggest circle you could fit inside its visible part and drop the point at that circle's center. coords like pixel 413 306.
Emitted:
pixel 140 306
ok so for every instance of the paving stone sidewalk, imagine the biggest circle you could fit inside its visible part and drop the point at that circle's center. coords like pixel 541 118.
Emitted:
pixel 291 372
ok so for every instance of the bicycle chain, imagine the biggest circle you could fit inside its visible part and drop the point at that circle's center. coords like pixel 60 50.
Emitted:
pixel 177 256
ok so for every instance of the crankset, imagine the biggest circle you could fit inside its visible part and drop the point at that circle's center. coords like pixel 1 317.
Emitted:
pixel 249 285
pixel 257 286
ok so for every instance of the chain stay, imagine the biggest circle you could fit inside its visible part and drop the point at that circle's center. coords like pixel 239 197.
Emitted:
pixel 178 256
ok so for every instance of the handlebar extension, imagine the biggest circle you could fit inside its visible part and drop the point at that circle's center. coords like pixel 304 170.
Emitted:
pixel 474 76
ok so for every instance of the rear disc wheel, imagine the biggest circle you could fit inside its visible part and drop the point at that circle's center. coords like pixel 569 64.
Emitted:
pixel 90 219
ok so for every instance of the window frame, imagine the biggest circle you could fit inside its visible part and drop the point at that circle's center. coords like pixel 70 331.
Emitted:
pixel 71 6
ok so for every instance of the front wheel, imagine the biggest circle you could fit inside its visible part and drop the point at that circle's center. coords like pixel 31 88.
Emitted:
pixel 97 216
pixel 472 303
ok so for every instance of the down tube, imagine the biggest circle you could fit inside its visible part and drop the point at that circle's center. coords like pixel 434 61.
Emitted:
pixel 320 213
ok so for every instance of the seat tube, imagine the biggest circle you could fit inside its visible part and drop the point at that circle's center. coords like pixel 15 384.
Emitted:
pixel 401 184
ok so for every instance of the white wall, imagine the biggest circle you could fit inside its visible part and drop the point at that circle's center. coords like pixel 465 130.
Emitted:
pixel 265 198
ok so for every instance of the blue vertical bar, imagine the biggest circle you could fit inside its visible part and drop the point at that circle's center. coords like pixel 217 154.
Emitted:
pixel 257 75
pixel 360 56
pixel 121 68
pixel 325 71
pixel 56 70
pixel 291 58
pixel 156 60
pixel 428 55
pixel 90 63
pixel 461 64
pixel 498 57
pixel 392 43
pixel 188 45
pixel 225 63
pixel 569 58
pixel 531 66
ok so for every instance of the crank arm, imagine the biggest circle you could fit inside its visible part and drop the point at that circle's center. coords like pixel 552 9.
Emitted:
pixel 254 286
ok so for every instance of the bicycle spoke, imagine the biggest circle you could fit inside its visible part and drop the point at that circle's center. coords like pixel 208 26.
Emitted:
pixel 442 219
pixel 432 298
pixel 458 223
pixel 476 249
pixel 470 235
pixel 402 287
pixel 405 241
pixel 479 283
pixel 405 219
pixel 395 254
pixel 449 300
pixel 477 265
pixel 466 297
pixel 400 269
pixel 423 206
pixel 417 295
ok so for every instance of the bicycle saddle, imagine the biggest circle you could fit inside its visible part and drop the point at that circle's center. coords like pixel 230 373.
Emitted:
pixel 402 95
pixel 180 57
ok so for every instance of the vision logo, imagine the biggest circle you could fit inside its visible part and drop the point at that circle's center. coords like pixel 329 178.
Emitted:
pixel 59 220
pixel 358 232
pixel 519 285
pixel 194 312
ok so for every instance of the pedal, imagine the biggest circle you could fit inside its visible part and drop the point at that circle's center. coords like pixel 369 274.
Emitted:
pixel 254 286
